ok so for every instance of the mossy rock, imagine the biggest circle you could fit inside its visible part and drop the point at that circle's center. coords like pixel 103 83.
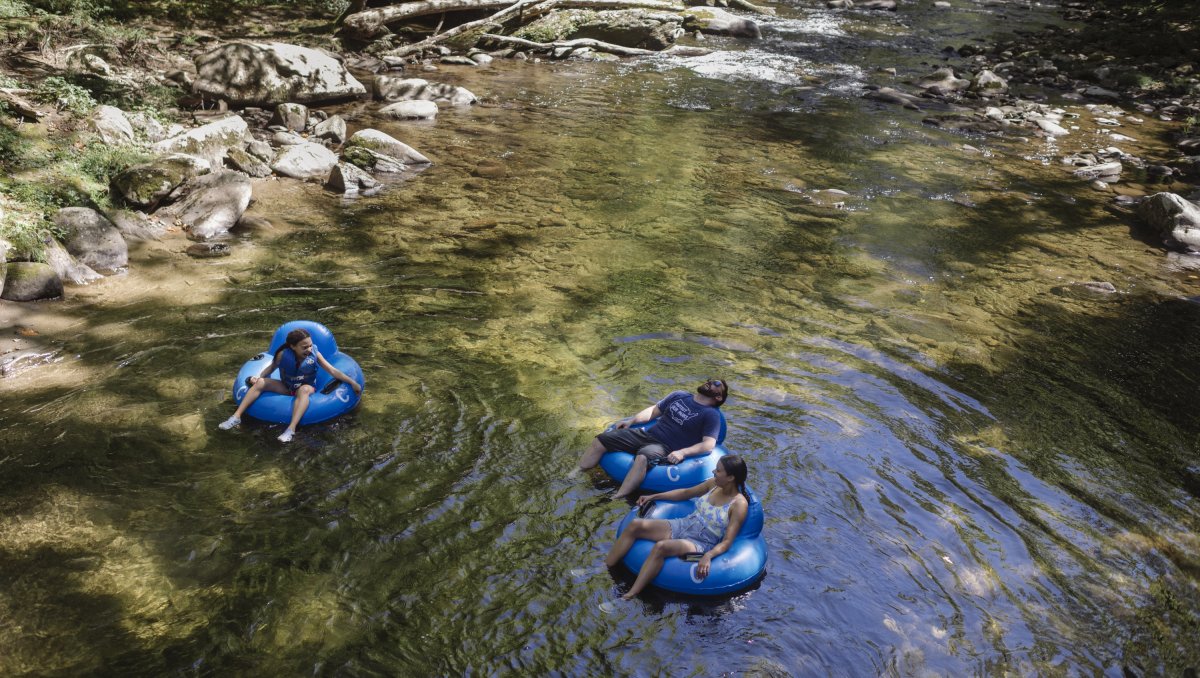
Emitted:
pixel 144 186
pixel 31 281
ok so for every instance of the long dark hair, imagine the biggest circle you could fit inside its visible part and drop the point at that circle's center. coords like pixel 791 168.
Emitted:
pixel 735 466
pixel 294 337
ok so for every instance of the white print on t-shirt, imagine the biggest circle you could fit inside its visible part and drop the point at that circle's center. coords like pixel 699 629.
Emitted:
pixel 681 413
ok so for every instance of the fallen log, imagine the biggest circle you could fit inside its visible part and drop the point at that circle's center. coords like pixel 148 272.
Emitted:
pixel 19 104
pixel 619 50
pixel 370 23
pixel 533 7
pixel 751 7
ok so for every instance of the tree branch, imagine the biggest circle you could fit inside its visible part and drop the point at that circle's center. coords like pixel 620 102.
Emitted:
pixel 370 23
pixel 536 6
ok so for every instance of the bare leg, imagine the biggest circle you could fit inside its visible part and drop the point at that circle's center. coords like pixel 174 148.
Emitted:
pixel 300 405
pixel 256 389
pixel 654 562
pixel 637 473
pixel 639 528
pixel 592 456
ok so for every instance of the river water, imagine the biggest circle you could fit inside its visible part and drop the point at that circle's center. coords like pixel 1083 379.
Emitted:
pixel 969 463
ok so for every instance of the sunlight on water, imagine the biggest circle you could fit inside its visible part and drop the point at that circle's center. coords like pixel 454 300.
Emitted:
pixel 965 469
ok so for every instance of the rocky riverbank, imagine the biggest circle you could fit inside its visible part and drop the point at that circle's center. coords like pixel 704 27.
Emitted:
pixel 255 112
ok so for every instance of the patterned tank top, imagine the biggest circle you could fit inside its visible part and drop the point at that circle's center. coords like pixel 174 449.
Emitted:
pixel 715 519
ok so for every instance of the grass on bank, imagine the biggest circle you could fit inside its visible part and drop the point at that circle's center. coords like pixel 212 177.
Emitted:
pixel 45 170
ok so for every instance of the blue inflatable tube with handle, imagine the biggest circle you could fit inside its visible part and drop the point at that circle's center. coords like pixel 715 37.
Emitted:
pixel 663 476
pixel 738 568
pixel 332 398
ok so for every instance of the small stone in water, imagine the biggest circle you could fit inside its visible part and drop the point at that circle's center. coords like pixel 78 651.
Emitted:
pixel 207 250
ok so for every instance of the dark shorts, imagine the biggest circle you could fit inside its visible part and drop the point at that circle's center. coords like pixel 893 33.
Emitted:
pixel 635 440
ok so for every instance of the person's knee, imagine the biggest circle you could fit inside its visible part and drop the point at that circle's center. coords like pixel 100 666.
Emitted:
pixel 306 390
pixel 640 462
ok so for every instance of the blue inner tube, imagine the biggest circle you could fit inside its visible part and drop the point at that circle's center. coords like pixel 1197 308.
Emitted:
pixel 322 405
pixel 662 477
pixel 738 568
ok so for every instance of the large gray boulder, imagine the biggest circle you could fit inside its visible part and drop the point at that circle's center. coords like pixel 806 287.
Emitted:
pixel 212 205
pixel 374 140
pixel 93 240
pixel 628 27
pixel 65 266
pixel 30 281
pixel 305 161
pixel 269 73
pixel 719 22
pixel 392 88
pixel 111 124
pixel 146 185
pixel 211 142
pixel 136 226
pixel 1173 217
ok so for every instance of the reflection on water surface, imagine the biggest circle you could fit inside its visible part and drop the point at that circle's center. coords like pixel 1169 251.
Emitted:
pixel 968 464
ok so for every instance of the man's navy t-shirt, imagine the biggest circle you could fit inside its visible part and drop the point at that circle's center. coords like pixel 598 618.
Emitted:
pixel 684 422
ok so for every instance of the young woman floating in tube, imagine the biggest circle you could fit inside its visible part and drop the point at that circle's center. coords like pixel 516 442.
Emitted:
pixel 297 361
pixel 710 529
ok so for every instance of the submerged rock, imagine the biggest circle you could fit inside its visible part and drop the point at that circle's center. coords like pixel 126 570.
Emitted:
pixel 410 110
pixel 348 179
pixel 894 96
pixel 209 250
pixel 391 88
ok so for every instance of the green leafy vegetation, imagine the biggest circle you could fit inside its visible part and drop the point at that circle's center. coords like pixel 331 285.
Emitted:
pixel 65 96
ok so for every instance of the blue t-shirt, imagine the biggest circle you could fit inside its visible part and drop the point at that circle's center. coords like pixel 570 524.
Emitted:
pixel 295 375
pixel 684 422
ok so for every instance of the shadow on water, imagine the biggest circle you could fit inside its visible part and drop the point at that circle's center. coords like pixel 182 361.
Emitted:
pixel 970 465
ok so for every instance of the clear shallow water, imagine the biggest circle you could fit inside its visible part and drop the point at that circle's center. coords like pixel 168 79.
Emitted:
pixel 969 466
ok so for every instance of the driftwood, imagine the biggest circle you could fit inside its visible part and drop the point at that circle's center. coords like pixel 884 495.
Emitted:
pixel 19 105
pixel 570 44
pixel 370 23
pixel 619 50
pixel 751 7
pixel 531 7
